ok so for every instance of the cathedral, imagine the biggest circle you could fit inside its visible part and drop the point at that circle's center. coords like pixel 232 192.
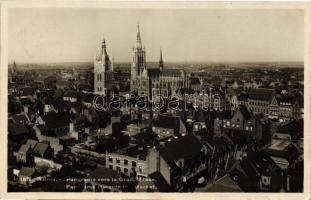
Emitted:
pixel 149 82
pixel 103 72
pixel 154 82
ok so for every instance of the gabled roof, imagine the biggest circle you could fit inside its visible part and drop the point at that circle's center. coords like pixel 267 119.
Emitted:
pixel 31 143
pixel 24 148
pixel 41 148
pixel 261 94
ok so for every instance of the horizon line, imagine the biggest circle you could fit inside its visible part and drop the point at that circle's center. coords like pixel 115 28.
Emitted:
pixel 215 62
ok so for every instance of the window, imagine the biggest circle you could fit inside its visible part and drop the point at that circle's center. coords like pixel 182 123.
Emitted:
pixel 125 162
pixel 238 119
pixel 133 163
pixel 126 170
pixel 118 160
pixel 110 159
pixel 110 167
pixel 118 169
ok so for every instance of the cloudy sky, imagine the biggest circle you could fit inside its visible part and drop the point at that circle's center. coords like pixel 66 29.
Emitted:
pixel 74 35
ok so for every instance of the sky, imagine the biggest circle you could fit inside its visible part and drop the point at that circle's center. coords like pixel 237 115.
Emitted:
pixel 185 35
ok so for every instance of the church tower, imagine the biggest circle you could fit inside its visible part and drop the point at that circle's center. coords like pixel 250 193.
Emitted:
pixel 139 56
pixel 103 71
pixel 139 73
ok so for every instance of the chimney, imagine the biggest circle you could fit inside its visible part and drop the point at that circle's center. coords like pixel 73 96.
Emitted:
pixel 26 109
pixel 71 127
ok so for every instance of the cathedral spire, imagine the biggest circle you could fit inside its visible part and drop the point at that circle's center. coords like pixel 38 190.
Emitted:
pixel 103 46
pixel 104 43
pixel 161 61
pixel 138 34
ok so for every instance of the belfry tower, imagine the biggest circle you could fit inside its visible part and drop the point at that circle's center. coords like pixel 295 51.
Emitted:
pixel 103 72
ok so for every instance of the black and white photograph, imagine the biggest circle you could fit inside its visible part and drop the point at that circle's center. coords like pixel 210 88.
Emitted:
pixel 155 100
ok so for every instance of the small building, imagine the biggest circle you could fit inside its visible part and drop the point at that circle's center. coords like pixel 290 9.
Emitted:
pixel 25 155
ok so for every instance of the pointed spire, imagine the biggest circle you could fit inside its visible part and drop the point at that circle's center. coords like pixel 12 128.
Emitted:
pixel 161 60
pixel 138 34
pixel 104 43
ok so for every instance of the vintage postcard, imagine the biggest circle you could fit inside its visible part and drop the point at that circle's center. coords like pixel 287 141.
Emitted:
pixel 155 100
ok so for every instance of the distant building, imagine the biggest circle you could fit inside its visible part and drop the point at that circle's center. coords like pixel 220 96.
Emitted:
pixel 259 100
pixel 103 72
